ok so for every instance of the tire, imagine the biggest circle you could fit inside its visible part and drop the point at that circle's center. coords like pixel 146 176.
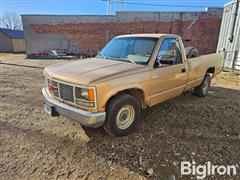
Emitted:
pixel 123 114
pixel 202 89
pixel 191 52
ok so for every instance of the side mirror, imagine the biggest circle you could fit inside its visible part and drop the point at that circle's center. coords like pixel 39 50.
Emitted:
pixel 166 57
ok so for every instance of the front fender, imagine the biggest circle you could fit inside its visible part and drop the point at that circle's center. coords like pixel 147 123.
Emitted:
pixel 108 94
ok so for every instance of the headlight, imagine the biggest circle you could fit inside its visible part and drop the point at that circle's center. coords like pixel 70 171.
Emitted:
pixel 85 96
pixel 84 93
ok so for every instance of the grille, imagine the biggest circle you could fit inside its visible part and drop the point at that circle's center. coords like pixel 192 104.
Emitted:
pixel 63 91
pixel 53 83
pixel 66 92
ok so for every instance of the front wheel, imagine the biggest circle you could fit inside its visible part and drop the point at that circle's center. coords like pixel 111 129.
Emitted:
pixel 123 115
pixel 202 89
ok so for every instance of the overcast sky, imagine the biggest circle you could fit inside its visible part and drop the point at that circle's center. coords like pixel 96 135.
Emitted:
pixel 99 6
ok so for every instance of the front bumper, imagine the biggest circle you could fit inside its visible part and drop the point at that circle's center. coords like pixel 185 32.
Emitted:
pixel 90 119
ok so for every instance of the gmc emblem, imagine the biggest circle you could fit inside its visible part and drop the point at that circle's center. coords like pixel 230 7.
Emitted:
pixel 52 88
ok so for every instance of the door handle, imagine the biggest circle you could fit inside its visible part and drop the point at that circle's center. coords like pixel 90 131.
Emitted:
pixel 183 70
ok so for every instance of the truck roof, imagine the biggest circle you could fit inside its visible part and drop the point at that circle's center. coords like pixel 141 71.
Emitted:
pixel 146 35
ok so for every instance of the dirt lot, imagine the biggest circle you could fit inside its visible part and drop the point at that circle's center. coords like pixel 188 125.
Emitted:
pixel 34 145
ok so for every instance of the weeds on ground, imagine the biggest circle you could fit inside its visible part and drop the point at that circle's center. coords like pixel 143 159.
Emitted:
pixel 233 74
pixel 4 54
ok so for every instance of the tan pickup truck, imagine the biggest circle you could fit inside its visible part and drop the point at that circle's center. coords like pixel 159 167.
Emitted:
pixel 131 72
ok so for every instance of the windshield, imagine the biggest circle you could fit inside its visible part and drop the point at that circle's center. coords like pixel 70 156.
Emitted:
pixel 136 50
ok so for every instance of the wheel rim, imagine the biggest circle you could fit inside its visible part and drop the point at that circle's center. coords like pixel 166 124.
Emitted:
pixel 125 117
pixel 205 87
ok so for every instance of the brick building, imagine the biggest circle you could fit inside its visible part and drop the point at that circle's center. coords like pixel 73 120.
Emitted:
pixel 87 34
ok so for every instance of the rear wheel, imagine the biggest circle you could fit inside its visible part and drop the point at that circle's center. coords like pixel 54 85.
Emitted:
pixel 123 115
pixel 202 89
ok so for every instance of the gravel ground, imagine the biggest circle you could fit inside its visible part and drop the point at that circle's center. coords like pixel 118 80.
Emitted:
pixel 36 146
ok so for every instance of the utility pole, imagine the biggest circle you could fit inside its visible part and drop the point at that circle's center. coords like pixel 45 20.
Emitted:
pixel 110 3
pixel 109 7
pixel 122 5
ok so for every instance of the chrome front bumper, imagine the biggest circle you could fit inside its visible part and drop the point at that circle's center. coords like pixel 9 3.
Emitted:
pixel 90 119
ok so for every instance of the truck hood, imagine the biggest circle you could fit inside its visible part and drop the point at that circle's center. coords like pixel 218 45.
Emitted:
pixel 89 71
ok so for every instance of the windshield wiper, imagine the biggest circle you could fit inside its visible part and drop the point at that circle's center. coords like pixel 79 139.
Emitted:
pixel 144 54
pixel 131 61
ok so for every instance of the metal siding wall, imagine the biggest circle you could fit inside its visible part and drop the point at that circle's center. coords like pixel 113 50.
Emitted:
pixel 5 43
pixel 232 49
pixel 222 31
pixel 237 41
pixel 237 63
pixel 229 55
pixel 19 45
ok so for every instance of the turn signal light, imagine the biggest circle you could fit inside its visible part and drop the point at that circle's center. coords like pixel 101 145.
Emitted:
pixel 90 94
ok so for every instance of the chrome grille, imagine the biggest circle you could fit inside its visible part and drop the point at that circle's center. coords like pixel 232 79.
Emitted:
pixel 62 91
pixel 66 92
pixel 53 83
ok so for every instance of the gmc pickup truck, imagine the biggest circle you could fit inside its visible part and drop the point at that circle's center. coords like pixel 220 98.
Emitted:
pixel 130 73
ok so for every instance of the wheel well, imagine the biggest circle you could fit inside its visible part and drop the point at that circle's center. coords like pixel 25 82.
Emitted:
pixel 211 70
pixel 137 93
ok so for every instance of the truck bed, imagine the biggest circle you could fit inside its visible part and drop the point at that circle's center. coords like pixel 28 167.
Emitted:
pixel 197 68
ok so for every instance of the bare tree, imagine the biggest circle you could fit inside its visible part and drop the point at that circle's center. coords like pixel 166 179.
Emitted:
pixel 11 20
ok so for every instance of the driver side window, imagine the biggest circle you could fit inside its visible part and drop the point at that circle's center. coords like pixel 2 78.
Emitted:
pixel 169 53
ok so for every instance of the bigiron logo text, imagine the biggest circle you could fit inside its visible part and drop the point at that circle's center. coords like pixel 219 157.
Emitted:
pixel 207 169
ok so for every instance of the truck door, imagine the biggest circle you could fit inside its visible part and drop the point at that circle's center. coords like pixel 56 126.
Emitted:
pixel 169 75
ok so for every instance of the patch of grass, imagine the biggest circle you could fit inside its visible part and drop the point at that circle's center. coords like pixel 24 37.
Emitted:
pixel 233 74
